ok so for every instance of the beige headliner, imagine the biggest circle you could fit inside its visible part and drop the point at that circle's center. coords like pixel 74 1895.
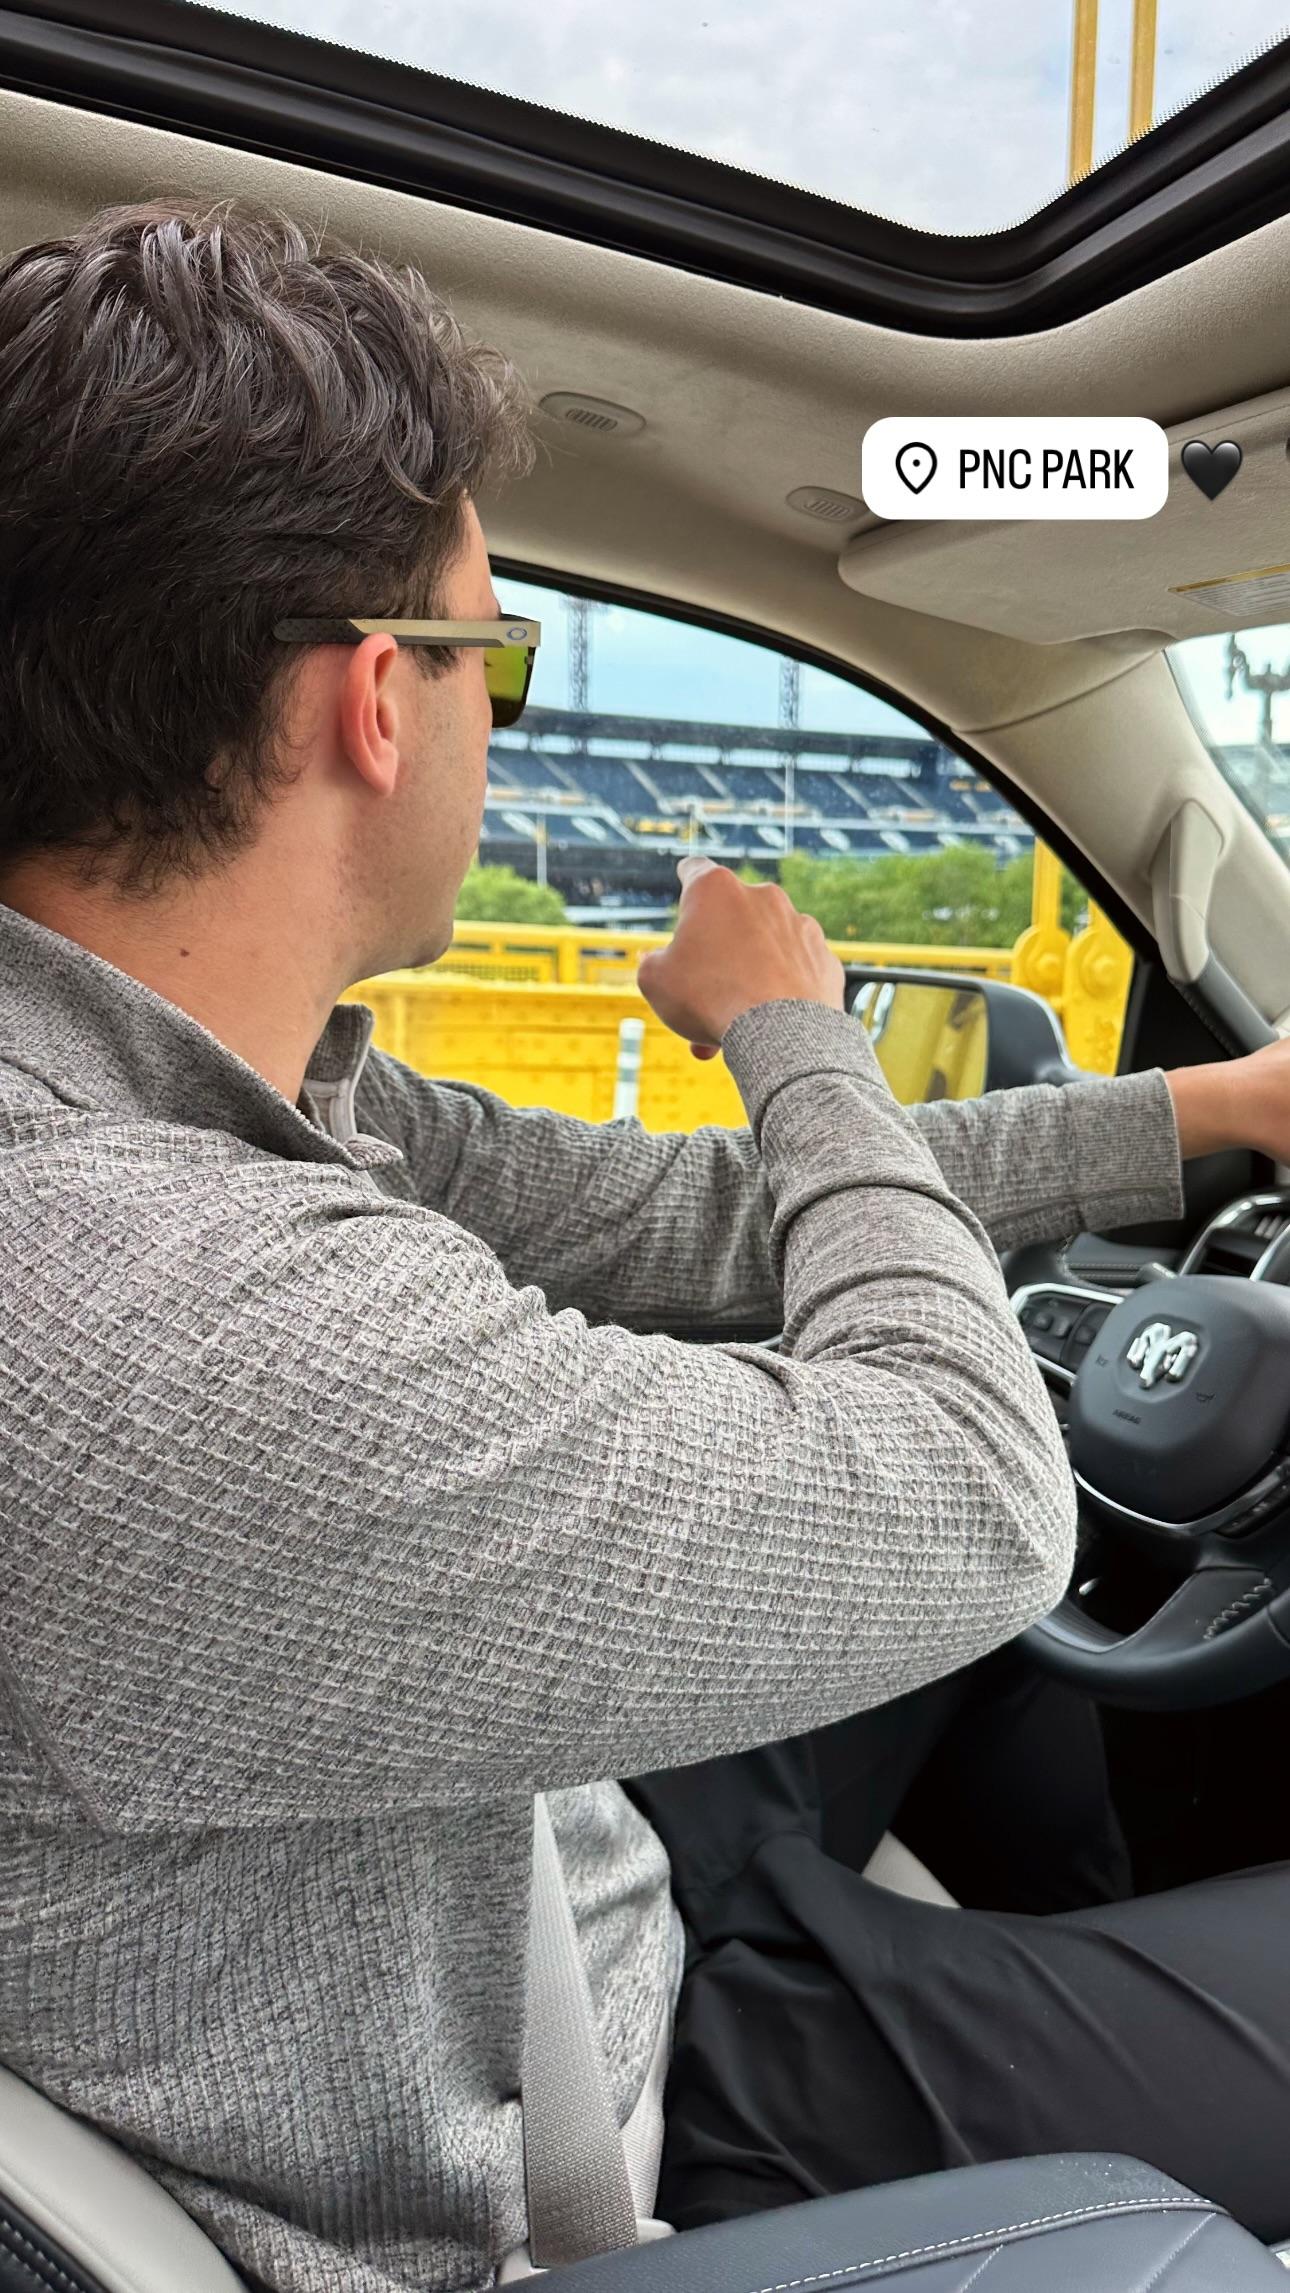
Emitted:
pixel 747 396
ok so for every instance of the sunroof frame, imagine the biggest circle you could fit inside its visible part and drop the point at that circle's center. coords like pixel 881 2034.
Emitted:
pixel 1208 174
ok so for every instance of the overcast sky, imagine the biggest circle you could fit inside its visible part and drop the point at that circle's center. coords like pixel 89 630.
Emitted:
pixel 642 665
pixel 947 113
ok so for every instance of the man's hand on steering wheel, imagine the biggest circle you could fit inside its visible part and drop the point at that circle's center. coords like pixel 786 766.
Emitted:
pixel 1179 1437
pixel 1235 1103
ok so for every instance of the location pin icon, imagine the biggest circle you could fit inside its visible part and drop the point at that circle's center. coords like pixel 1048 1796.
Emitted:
pixel 915 466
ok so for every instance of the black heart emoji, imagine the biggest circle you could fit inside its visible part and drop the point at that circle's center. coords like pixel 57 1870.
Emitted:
pixel 1212 468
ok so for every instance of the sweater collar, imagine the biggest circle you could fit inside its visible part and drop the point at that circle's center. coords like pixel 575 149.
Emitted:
pixel 99 1039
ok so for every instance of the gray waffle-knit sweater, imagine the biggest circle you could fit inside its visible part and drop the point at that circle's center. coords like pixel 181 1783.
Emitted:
pixel 346 1500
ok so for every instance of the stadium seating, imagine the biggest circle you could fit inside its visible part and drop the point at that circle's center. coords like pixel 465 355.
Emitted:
pixel 617 815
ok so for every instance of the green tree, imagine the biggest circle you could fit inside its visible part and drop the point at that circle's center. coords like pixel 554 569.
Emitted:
pixel 960 896
pixel 501 896
pixel 955 897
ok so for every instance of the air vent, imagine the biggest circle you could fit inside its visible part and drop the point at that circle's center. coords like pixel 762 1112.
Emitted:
pixel 822 502
pixel 1249 1238
pixel 1232 1253
pixel 596 414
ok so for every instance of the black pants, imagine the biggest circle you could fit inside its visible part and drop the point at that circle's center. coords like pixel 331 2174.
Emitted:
pixel 831 2034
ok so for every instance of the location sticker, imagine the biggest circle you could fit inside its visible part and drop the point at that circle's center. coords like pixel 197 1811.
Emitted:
pixel 916 465
pixel 1026 466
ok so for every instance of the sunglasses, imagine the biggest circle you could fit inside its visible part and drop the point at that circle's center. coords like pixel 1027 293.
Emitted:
pixel 508 648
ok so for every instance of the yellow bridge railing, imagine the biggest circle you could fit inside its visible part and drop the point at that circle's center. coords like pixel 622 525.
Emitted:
pixel 533 1011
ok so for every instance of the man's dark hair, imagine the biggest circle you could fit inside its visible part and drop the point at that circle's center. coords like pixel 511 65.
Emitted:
pixel 210 419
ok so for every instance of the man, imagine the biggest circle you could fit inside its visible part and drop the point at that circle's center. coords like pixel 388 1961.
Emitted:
pixel 343 1507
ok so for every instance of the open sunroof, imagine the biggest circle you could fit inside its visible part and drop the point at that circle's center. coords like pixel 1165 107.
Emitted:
pixel 867 161
pixel 951 118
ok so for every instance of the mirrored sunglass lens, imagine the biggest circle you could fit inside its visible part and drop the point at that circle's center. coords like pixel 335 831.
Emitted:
pixel 507 669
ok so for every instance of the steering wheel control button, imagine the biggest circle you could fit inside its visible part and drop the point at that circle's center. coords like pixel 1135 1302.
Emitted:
pixel 1083 1334
pixel 1055 1323
pixel 1060 1320
pixel 1263 1503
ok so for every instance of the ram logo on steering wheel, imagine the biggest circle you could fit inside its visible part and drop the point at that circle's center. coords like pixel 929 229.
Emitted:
pixel 1158 1352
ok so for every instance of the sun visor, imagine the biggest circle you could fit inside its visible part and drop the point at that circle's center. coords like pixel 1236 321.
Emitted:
pixel 1195 569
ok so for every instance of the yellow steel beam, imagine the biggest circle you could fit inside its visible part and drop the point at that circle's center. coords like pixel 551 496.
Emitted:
pixel 1083 89
pixel 1046 889
pixel 1142 68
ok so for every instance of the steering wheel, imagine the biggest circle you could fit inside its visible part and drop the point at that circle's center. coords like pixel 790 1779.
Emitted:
pixel 1179 1440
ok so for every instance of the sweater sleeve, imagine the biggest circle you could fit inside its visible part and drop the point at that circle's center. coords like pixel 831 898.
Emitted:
pixel 1051 1160
pixel 348 1522
pixel 672 1229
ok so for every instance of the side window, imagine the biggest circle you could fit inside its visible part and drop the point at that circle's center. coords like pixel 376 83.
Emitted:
pixel 644 738
pixel 1235 688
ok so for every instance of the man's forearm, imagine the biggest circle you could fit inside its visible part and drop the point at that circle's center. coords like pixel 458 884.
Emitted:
pixel 657 1229
pixel 1039 1163
pixel 1049 1160
pixel 1235 1103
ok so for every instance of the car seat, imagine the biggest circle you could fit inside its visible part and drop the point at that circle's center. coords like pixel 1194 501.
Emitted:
pixel 79 2215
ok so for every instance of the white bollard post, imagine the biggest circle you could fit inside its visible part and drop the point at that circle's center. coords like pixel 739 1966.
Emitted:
pixel 627 1084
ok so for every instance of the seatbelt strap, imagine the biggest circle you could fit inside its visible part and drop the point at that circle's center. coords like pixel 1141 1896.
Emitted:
pixel 580 2199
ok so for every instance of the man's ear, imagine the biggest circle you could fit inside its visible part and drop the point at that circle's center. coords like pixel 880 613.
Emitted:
pixel 368 712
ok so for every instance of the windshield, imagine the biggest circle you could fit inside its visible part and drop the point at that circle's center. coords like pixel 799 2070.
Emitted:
pixel 953 118
pixel 1237 689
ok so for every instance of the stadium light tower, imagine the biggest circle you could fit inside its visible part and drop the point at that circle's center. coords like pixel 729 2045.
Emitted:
pixel 1268 682
pixel 790 702
pixel 580 610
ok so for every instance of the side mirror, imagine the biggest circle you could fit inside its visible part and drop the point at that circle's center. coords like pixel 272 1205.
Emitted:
pixel 942 1035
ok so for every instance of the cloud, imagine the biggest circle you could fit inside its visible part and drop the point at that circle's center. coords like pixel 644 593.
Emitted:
pixel 951 114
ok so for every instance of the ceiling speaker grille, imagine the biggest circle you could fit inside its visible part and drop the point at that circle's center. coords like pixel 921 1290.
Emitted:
pixel 599 414
pixel 823 502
